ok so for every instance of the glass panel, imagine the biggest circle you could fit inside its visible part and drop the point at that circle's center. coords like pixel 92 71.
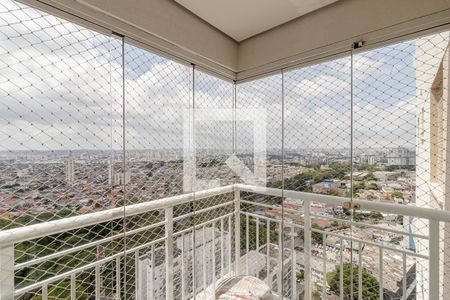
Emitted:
pixel 399 157
pixel 60 133
pixel 157 93
pixel 317 142
pixel 213 139
pixel 77 155
pixel 258 149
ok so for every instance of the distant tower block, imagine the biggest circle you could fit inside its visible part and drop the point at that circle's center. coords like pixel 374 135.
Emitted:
pixel 121 178
pixel 70 171
pixel 110 172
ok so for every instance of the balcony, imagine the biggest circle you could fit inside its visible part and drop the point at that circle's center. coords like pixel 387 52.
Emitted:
pixel 184 246
pixel 162 149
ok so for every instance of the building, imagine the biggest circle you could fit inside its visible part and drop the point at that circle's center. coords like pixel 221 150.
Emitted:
pixel 70 171
pixel 367 160
pixel 401 157
pixel 326 186
pixel 154 265
pixel 98 80
pixel 121 178
pixel 433 160
pixel 110 172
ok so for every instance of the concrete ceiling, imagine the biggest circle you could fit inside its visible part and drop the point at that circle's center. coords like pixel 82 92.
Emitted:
pixel 169 29
pixel 241 19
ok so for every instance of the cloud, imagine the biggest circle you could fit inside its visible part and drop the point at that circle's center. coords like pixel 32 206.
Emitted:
pixel 378 127
pixel 61 87
pixel 266 94
pixel 55 83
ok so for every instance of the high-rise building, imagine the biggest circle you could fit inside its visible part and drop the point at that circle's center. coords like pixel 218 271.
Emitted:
pixel 110 172
pixel 432 180
pixel 70 171
pixel 121 178
pixel 367 160
pixel 401 156
pixel 208 252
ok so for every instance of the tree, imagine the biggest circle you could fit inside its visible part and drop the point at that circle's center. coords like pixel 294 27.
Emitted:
pixel 397 239
pixel 359 185
pixel 303 181
pixel 375 216
pixel 370 177
pixel 370 285
pixel 316 295
pixel 273 234
pixel 391 168
pixel 397 195
pixel 372 186
pixel 339 225
pixel 300 275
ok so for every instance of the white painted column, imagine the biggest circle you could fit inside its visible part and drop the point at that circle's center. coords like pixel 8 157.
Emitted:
pixel 169 252
pixel 7 273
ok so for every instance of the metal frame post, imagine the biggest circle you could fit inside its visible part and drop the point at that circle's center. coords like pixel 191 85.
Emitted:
pixel 237 229
pixel 307 250
pixel 433 260
pixel 169 252
pixel 7 272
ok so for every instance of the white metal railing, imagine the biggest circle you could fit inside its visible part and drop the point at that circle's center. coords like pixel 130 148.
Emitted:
pixel 433 216
pixel 9 238
pixel 189 286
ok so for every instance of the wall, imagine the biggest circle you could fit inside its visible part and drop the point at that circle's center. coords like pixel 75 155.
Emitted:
pixel 174 30
pixel 338 25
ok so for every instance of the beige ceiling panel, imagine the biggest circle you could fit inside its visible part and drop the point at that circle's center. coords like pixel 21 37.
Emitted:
pixel 243 19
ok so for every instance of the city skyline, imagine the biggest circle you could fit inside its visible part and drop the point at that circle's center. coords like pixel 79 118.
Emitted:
pixel 157 88
pixel 92 137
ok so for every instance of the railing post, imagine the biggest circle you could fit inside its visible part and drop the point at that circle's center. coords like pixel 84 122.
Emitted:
pixel 7 273
pixel 433 260
pixel 307 250
pixel 293 266
pixel 137 278
pixel 280 260
pixel 237 229
pixel 169 252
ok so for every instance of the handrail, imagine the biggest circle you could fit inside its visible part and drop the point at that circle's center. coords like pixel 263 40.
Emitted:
pixel 20 234
pixel 12 236
pixel 406 210
pixel 66 274
pixel 331 233
pixel 347 221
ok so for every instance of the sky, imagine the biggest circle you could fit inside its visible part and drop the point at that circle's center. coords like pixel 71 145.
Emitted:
pixel 61 88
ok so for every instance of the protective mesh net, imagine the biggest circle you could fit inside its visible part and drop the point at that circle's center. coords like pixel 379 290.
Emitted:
pixel 95 132
pixel 317 139
pixel 260 242
pixel 60 135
